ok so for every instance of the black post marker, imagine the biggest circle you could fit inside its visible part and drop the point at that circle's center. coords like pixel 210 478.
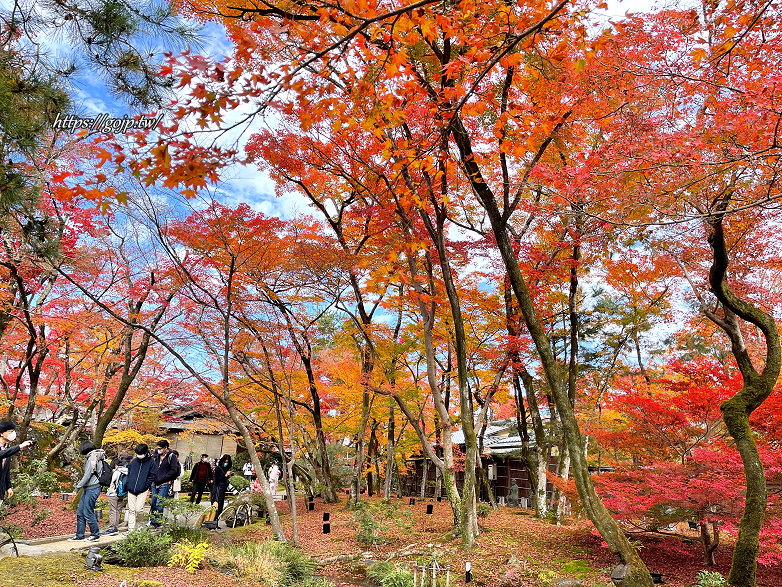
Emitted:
pixel 468 572
pixel 311 498
pixel 429 508
pixel 310 507
pixel 412 501
pixel 326 516
pixel 439 498
pixel 326 528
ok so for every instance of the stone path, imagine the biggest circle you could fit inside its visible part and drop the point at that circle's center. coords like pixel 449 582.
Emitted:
pixel 54 544
pixel 38 546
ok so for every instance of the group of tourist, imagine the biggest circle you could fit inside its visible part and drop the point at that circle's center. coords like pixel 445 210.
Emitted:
pixel 131 477
pixel 202 476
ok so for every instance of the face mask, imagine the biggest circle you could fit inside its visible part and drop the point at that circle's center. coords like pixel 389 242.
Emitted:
pixel 12 436
pixel 225 465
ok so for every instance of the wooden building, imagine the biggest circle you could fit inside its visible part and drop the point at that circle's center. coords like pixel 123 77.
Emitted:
pixel 192 434
pixel 500 458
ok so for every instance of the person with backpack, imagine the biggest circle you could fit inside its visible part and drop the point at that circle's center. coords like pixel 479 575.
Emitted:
pixel 116 493
pixel 166 470
pixel 141 476
pixel 96 471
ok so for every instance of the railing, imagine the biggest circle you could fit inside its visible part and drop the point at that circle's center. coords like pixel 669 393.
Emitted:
pixel 427 575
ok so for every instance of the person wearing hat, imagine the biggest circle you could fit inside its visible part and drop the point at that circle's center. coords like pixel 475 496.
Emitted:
pixel 8 435
pixel 90 486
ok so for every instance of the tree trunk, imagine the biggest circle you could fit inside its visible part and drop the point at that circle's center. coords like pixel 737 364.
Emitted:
pixel 424 478
pixel 754 391
pixel 710 541
pixel 637 575
pixel 390 458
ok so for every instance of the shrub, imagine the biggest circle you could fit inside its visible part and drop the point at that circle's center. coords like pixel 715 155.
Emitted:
pixel 183 513
pixel 710 579
pixel 180 533
pixel 387 574
pixel 483 510
pixel 42 514
pixel 296 564
pixel 272 563
pixel 142 548
pixel 35 479
pixel 239 482
pixel 372 517
pixel 188 555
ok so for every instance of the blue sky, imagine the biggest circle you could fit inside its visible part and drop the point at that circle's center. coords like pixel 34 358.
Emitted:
pixel 240 184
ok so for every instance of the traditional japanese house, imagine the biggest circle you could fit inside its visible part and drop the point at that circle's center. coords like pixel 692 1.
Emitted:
pixel 500 459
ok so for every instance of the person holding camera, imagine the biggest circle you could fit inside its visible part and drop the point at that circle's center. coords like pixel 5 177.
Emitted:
pixel 7 436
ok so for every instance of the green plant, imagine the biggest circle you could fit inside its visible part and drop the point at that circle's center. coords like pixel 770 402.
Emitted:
pixel 482 510
pixel 239 482
pixel 14 530
pixel 180 533
pixel 314 582
pixel 40 516
pixel 297 565
pixel 272 563
pixel 372 517
pixel 142 548
pixel 188 555
pixel 577 567
pixel 183 513
pixel 31 482
pixel 387 574
pixel 710 579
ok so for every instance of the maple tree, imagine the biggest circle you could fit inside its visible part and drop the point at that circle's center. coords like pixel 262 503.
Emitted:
pixel 673 456
pixel 491 118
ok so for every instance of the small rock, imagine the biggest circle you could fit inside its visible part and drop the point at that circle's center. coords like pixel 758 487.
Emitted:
pixel 567 583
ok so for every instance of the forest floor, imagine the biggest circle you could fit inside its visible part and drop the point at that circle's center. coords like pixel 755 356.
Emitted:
pixel 514 549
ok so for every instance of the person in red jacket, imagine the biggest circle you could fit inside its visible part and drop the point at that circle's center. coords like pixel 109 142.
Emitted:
pixel 200 477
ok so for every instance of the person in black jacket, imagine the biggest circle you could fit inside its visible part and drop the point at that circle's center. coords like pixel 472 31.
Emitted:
pixel 166 470
pixel 141 476
pixel 222 474
pixel 8 435
pixel 200 477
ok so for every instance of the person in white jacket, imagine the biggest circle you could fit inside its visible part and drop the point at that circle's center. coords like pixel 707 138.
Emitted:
pixel 116 501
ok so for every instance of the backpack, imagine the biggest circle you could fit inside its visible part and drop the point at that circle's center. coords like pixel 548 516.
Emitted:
pixel 122 491
pixel 104 473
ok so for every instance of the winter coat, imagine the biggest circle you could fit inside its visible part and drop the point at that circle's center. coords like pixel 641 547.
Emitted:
pixel 5 469
pixel 166 468
pixel 222 476
pixel 201 473
pixel 90 477
pixel 111 490
pixel 141 474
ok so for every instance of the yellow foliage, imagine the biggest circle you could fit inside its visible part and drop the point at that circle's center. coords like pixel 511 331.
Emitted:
pixel 127 438
pixel 189 556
